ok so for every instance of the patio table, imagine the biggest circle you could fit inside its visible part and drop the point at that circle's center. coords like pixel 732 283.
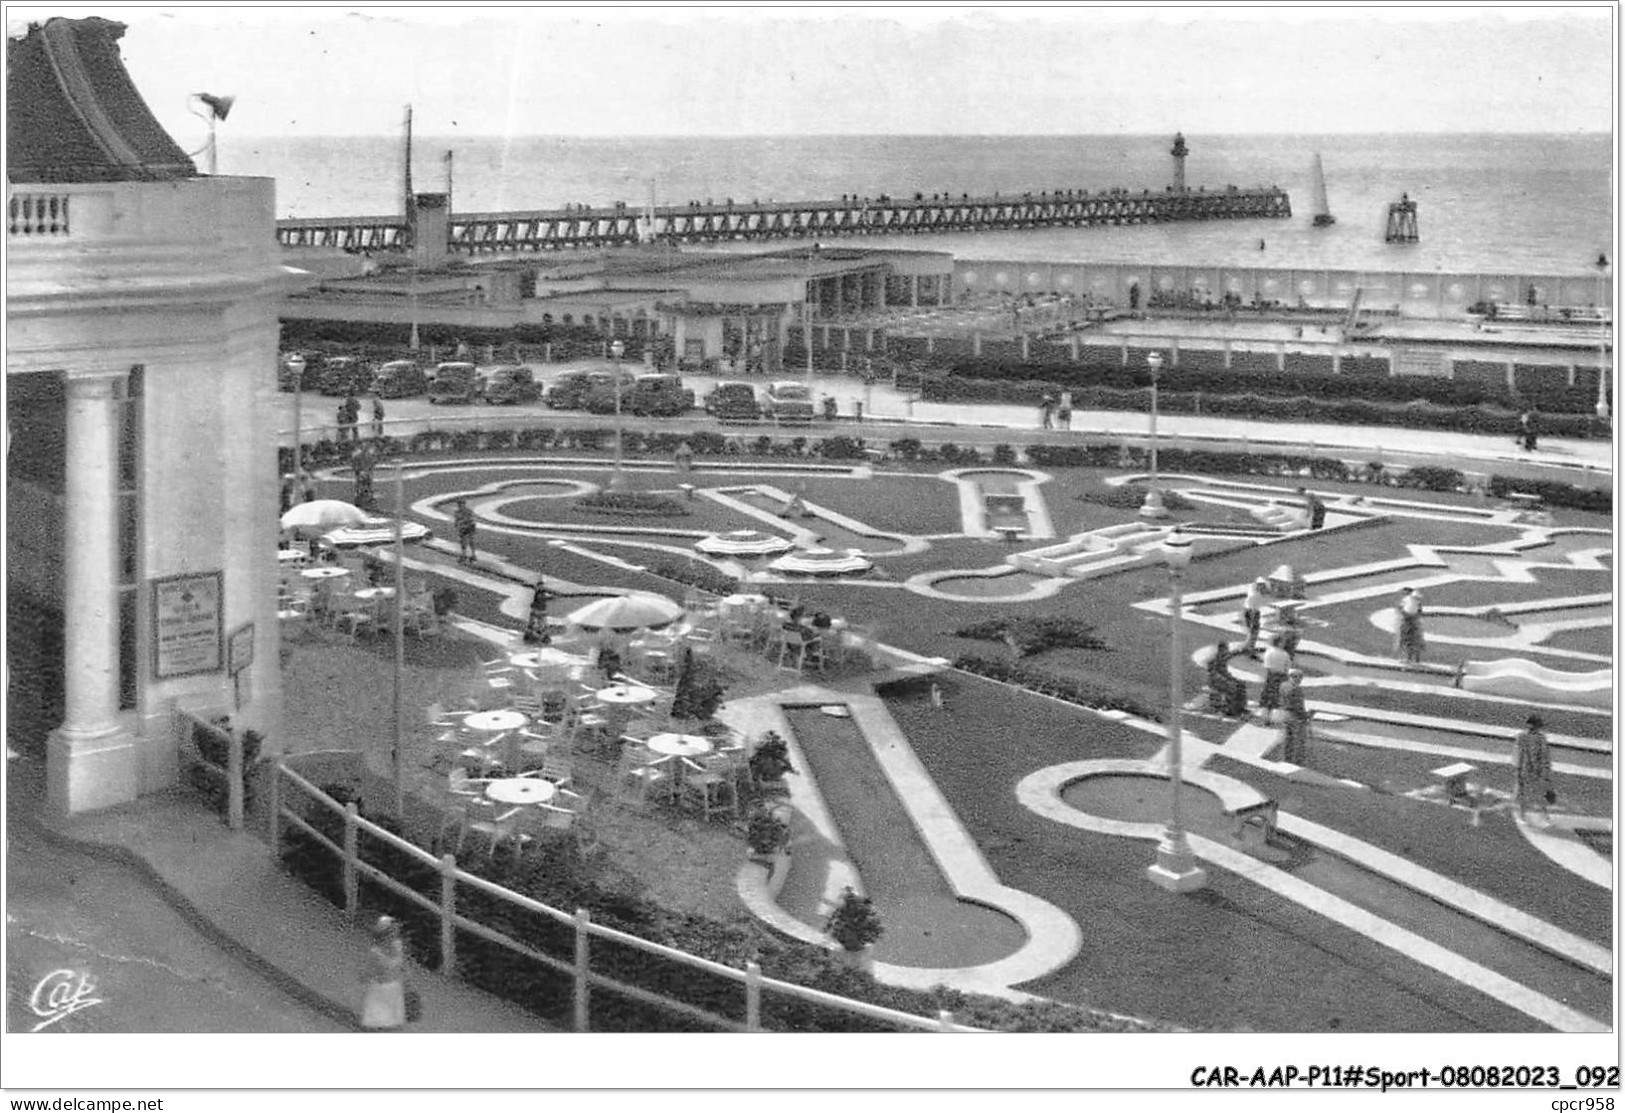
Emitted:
pixel 325 572
pixel 521 790
pixel 545 656
pixel 626 694
pixel 495 721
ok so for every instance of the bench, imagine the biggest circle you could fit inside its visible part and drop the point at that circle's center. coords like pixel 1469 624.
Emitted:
pixel 1454 778
pixel 1262 812
pixel 1011 534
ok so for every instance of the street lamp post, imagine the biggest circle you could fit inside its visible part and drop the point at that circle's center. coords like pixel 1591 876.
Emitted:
pixel 1602 344
pixel 806 322
pixel 1153 507
pixel 296 364
pixel 399 750
pixel 1175 868
pixel 617 477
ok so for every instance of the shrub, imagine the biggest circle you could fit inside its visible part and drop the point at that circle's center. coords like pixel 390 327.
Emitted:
pixel 766 833
pixel 444 601
pixel 771 759
pixel 632 502
pixel 1004 454
pixel 906 447
pixel 1033 635
pixel 1555 493
pixel 840 448
pixel 1132 498
pixel 1429 477
pixel 700 575
pixel 1051 684
pixel 853 923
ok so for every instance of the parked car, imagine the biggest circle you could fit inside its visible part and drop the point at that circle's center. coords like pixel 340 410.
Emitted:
pixel 509 385
pixel 346 375
pixel 455 382
pixel 400 378
pixel 733 402
pixel 600 394
pixel 566 391
pixel 658 395
pixel 310 380
pixel 788 402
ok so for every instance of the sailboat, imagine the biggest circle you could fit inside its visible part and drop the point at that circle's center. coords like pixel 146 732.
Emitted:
pixel 1323 213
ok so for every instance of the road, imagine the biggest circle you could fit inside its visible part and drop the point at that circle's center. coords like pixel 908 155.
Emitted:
pixel 1583 462
pixel 82 930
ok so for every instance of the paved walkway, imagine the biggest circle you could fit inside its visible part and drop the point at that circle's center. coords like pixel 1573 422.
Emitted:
pixel 227 884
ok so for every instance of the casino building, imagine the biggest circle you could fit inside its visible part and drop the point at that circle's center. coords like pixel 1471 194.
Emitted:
pixel 142 489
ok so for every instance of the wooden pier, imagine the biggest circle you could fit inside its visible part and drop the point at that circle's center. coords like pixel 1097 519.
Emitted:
pixel 558 229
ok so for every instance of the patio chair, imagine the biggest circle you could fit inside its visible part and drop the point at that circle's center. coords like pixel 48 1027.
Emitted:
pixel 557 766
pixel 639 770
pixel 793 649
pixel 710 778
pixel 496 824
pixel 352 615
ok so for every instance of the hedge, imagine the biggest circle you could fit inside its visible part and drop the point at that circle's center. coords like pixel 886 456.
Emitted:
pixel 1385 388
pixel 1483 418
pixel 1047 683
pixel 1555 493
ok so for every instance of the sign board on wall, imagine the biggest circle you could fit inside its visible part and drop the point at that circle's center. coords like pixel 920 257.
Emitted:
pixel 240 649
pixel 186 624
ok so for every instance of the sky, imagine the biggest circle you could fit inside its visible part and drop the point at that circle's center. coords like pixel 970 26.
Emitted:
pixel 928 70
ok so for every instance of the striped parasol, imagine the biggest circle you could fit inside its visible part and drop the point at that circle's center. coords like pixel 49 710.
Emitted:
pixel 822 562
pixel 743 542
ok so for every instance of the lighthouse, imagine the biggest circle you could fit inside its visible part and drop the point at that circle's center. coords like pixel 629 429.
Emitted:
pixel 1179 152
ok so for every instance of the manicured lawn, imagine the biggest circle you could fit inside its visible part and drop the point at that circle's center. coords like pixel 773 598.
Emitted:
pixel 1233 958
pixel 892 502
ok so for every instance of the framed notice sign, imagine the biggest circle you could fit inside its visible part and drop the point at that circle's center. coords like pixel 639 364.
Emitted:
pixel 240 648
pixel 186 624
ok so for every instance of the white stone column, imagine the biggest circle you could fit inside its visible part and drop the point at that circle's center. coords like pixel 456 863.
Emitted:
pixel 91 759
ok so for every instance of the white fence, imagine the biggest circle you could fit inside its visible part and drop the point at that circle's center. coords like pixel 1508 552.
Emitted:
pixel 752 985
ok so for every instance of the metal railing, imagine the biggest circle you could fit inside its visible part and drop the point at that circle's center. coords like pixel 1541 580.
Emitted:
pixel 579 967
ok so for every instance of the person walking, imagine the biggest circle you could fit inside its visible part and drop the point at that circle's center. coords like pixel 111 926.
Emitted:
pixel 536 623
pixel 1527 429
pixel 1252 613
pixel 1227 694
pixel 383 1004
pixel 1532 776
pixel 1063 412
pixel 1313 507
pixel 464 519
pixel 1296 749
pixel 377 415
pixel 1408 640
pixel 1046 412
pixel 1277 662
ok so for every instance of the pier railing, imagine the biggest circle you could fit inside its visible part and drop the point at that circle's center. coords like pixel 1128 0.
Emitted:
pixel 556 229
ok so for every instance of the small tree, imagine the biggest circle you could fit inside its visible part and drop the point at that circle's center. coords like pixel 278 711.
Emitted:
pixel 853 922
pixel 767 834
pixel 699 692
pixel 771 760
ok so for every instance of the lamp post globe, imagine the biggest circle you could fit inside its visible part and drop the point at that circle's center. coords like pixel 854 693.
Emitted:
pixel 1153 507
pixel 1175 868
pixel 617 476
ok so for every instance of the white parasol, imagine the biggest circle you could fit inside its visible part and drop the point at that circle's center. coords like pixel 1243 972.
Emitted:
pixel 624 613
pixel 822 562
pixel 375 531
pixel 323 515
pixel 743 542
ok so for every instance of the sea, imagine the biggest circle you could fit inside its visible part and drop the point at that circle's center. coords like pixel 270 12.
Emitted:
pixel 1498 203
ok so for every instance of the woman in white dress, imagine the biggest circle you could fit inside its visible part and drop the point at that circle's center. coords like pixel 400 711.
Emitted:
pixel 383 1008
